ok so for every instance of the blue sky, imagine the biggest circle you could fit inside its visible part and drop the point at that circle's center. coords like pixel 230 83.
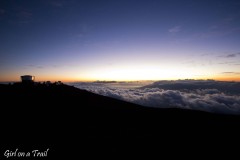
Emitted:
pixel 72 40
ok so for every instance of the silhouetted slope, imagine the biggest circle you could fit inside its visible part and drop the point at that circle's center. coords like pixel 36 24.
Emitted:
pixel 61 116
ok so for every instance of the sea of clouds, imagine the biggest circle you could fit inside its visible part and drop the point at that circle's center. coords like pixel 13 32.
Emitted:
pixel 204 95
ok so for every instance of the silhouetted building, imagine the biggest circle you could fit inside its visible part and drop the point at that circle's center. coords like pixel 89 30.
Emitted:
pixel 27 79
pixel 48 83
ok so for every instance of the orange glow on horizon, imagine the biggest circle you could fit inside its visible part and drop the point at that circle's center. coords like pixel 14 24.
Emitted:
pixel 66 80
pixel 236 79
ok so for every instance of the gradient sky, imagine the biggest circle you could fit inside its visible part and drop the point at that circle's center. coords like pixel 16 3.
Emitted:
pixel 73 40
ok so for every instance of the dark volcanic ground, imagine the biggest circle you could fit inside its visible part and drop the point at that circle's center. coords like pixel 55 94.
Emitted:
pixel 72 122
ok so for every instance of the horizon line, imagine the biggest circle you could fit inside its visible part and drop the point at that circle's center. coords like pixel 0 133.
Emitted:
pixel 75 81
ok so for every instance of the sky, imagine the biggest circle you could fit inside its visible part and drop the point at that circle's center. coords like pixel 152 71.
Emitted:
pixel 84 40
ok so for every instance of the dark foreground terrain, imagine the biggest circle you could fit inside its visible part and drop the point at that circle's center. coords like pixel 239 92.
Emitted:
pixel 72 123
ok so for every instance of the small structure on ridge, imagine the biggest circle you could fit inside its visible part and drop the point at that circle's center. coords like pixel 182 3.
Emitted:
pixel 27 79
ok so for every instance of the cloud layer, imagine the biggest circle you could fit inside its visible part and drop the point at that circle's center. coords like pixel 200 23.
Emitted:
pixel 197 95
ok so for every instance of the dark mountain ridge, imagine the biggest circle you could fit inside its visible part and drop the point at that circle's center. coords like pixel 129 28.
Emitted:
pixel 60 116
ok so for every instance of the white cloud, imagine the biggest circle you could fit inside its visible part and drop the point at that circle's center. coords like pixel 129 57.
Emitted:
pixel 188 97
pixel 175 29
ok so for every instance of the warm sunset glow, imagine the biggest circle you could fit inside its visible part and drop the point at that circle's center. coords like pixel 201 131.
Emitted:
pixel 138 73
